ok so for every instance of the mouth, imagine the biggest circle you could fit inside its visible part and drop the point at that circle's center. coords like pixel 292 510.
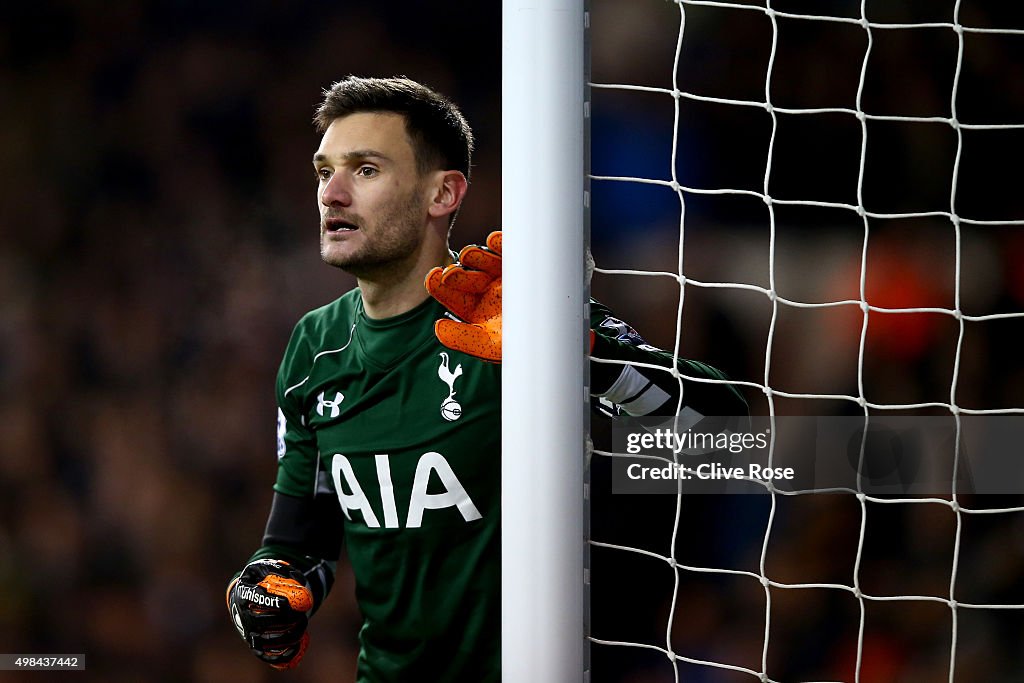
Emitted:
pixel 338 225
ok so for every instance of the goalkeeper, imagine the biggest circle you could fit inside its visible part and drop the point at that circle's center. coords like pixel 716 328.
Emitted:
pixel 389 409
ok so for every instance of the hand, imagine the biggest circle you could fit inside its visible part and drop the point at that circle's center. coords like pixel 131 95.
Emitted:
pixel 270 602
pixel 471 289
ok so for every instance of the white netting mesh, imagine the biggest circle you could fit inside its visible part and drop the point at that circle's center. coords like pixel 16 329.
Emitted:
pixel 861 639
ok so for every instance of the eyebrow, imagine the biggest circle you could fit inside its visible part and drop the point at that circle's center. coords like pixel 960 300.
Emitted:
pixel 354 155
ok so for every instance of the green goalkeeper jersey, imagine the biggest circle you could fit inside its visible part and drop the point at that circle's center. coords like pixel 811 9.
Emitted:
pixel 409 433
pixel 405 434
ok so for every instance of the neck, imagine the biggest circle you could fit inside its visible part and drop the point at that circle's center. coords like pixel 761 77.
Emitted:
pixel 399 288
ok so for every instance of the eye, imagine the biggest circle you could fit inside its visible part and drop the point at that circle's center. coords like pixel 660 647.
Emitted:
pixel 323 174
pixel 366 171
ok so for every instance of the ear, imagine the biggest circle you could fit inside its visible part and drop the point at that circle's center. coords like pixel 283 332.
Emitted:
pixel 449 189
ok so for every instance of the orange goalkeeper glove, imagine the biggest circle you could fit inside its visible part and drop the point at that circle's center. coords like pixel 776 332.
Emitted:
pixel 270 603
pixel 471 289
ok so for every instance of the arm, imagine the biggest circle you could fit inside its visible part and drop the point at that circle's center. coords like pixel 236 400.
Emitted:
pixel 284 582
pixel 306 533
pixel 639 390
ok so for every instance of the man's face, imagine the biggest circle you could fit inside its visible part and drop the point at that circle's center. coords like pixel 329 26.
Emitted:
pixel 373 205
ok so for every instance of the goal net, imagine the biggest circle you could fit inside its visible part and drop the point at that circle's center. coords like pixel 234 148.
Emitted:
pixel 824 200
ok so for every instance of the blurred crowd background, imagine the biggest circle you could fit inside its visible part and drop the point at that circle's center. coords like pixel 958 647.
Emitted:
pixel 159 240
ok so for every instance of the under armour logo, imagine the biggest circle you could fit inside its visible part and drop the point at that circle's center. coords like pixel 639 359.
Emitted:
pixel 450 409
pixel 323 404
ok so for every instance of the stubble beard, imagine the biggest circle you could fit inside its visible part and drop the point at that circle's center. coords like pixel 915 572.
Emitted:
pixel 391 239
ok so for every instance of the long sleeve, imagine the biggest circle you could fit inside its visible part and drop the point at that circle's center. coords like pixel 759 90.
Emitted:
pixel 637 390
pixel 306 532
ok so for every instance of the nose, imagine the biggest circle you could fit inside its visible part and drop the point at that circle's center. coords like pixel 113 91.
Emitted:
pixel 336 192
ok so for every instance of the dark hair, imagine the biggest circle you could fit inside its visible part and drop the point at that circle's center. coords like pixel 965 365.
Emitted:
pixel 440 136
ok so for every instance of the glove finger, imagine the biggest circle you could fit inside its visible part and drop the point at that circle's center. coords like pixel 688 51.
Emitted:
pixel 489 306
pixel 289 658
pixel 257 571
pixel 284 626
pixel 459 303
pixel 475 340
pixel 272 639
pixel 299 597
pixel 480 258
pixel 270 630
pixel 433 279
pixel 464 280
pixel 494 242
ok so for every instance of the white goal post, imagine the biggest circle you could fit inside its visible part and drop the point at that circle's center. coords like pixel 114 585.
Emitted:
pixel 543 151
